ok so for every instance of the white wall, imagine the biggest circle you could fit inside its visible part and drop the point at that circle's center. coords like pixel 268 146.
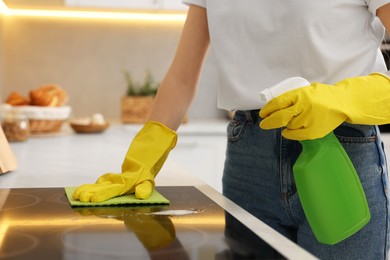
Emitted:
pixel 86 57
pixel 1 56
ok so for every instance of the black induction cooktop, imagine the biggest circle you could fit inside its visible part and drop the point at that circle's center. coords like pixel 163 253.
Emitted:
pixel 39 223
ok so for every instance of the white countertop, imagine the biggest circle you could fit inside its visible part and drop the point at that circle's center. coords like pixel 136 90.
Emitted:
pixel 69 159
pixel 195 127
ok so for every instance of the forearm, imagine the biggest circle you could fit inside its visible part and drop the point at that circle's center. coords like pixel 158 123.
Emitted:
pixel 178 88
pixel 384 15
pixel 172 102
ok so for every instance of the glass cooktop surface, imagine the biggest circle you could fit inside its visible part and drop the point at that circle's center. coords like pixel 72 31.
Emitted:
pixel 39 223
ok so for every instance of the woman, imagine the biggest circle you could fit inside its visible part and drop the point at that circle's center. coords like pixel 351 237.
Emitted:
pixel 258 44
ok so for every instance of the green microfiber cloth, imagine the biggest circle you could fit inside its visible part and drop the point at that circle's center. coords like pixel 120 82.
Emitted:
pixel 155 198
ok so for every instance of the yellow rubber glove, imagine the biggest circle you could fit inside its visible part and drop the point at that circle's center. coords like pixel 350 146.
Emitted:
pixel 153 231
pixel 313 111
pixel 144 159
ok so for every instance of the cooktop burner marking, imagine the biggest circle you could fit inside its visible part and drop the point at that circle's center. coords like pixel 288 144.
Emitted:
pixel 58 198
pixel 17 244
pixel 19 200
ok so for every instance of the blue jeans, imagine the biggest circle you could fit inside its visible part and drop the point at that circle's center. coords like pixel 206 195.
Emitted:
pixel 258 177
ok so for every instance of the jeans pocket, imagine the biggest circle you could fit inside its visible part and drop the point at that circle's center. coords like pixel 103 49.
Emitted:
pixel 368 157
pixel 361 144
pixel 362 151
pixel 235 130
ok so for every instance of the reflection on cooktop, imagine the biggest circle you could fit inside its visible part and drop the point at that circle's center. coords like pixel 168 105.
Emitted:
pixel 39 224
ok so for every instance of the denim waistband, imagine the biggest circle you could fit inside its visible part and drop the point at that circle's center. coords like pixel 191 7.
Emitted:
pixel 345 129
pixel 250 115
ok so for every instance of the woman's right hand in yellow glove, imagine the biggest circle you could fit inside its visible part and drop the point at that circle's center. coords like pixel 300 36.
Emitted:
pixel 144 159
pixel 313 111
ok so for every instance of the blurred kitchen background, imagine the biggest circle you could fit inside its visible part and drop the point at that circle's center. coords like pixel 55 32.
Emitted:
pixel 87 56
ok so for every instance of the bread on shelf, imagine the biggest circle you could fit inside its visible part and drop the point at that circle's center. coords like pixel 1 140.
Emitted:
pixel 45 108
pixel 17 99
pixel 49 95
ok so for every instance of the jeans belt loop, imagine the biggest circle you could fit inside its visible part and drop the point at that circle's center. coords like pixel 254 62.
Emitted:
pixel 248 116
pixel 255 114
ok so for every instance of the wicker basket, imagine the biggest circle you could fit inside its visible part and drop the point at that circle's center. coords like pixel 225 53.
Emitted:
pixel 38 126
pixel 41 119
pixel 135 109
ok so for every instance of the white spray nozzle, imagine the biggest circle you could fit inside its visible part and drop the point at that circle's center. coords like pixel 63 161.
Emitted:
pixel 282 87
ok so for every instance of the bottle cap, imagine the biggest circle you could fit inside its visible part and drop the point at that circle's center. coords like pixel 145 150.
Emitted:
pixel 282 87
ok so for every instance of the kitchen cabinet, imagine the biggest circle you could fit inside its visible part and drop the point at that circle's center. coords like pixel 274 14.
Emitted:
pixel 156 5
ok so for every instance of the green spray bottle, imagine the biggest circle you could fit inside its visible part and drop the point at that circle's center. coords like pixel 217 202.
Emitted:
pixel 328 186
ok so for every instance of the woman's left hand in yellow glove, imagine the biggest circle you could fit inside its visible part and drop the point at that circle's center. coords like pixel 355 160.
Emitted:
pixel 111 185
pixel 313 111
pixel 144 159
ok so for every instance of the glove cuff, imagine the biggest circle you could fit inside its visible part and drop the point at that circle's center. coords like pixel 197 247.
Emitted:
pixel 163 128
pixel 387 76
pixel 151 146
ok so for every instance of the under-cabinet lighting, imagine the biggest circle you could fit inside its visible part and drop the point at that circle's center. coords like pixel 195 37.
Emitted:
pixel 179 17
pixel 3 232
pixel 3 8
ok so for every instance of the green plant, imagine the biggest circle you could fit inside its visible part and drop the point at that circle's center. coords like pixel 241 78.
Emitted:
pixel 147 88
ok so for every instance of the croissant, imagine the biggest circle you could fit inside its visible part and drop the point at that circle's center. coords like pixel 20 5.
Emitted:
pixel 16 99
pixel 50 95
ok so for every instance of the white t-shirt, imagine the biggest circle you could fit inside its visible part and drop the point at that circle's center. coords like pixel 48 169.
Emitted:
pixel 258 43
